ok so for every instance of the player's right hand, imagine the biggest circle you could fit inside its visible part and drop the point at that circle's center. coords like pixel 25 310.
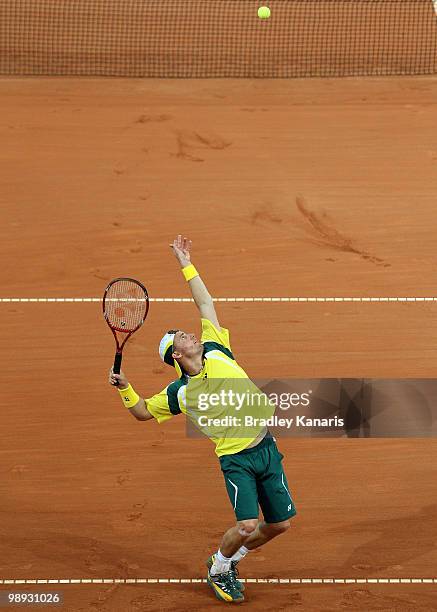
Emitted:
pixel 123 382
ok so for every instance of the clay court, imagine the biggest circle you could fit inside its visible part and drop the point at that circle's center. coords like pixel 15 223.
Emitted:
pixel 288 188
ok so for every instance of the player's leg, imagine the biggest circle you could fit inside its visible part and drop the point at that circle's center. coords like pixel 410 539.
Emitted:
pixel 242 491
pixel 265 532
pixel 222 572
pixel 236 536
pixel 274 496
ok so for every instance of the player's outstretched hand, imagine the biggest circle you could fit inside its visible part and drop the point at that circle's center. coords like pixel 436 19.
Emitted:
pixel 181 248
pixel 121 378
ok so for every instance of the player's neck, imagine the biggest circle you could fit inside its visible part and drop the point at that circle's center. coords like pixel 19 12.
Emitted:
pixel 194 365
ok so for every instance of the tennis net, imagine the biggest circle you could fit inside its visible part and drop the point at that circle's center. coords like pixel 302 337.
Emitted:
pixel 217 38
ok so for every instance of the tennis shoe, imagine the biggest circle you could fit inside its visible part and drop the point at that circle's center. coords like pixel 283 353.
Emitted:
pixel 233 570
pixel 225 587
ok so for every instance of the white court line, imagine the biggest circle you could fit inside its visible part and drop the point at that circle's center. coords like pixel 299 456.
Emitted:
pixel 7 300
pixel 331 581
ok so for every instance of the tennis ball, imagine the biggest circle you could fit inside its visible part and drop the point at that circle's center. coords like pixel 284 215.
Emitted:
pixel 263 12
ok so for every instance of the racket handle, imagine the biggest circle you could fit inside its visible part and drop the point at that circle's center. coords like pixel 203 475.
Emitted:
pixel 117 364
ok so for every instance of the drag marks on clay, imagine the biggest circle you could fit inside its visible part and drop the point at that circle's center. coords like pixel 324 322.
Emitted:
pixel 364 599
pixel 265 214
pixel 412 537
pixel 142 603
pixel 97 273
pixel 93 561
pixel 212 142
pixel 137 513
pixel 159 441
pixel 137 248
pixel 324 234
pixel 153 118
pixel 155 601
pixel 182 149
pixel 120 169
pixel 294 600
pixel 103 597
pixel 186 141
pixel 125 568
pixel 133 522
pixel 97 565
pixel 77 554
pixel 123 477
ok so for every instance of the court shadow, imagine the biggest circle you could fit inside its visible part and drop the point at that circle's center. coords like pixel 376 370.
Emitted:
pixel 396 541
pixel 88 557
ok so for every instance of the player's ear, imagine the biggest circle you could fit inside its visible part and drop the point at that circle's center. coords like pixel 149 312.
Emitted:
pixel 176 355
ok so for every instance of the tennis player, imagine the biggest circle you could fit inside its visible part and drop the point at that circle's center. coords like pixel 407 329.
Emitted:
pixel 252 467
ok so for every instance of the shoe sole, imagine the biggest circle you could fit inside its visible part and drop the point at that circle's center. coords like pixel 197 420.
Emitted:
pixel 217 594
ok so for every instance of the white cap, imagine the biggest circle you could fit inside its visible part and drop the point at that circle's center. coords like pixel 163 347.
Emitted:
pixel 165 353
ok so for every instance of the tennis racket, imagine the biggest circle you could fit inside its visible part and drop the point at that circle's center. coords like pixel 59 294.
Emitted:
pixel 125 308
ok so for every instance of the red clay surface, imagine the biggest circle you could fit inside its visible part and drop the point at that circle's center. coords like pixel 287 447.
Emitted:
pixel 98 176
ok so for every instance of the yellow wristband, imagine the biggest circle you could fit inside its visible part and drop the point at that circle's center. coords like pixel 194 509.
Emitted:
pixel 189 272
pixel 129 397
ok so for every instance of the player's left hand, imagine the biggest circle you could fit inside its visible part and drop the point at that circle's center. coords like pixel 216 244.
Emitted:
pixel 181 248
pixel 118 380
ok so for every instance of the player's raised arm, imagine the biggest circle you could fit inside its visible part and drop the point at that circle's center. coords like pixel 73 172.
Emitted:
pixel 181 248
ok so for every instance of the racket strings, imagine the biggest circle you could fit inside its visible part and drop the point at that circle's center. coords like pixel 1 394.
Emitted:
pixel 125 305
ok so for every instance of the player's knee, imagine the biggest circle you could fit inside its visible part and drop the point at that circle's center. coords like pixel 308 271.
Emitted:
pixel 278 528
pixel 247 527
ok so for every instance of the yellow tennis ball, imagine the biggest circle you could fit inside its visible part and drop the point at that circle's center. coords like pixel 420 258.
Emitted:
pixel 263 12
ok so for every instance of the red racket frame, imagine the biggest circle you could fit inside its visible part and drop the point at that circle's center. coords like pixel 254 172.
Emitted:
pixel 119 347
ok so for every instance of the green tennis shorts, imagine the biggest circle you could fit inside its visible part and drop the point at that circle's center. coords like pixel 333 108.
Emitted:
pixel 255 477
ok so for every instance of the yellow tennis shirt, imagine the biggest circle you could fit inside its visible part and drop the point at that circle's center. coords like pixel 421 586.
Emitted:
pixel 218 363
